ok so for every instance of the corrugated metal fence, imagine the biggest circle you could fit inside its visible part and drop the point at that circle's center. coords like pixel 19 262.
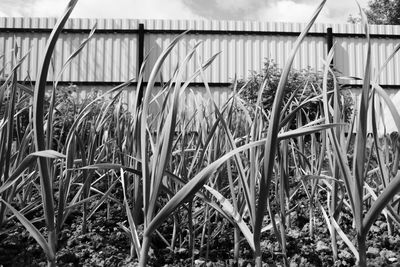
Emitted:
pixel 119 45
pixel 113 54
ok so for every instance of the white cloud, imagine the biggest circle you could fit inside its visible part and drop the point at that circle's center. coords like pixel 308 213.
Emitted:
pixel 16 8
pixel 292 11
pixel 274 10
pixel 48 8
pixel 156 9
pixel 286 11
pixel 173 9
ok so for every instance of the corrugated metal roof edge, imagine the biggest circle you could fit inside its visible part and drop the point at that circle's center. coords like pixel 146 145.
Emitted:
pixel 196 25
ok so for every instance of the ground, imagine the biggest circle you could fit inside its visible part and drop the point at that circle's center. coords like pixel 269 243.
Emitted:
pixel 106 244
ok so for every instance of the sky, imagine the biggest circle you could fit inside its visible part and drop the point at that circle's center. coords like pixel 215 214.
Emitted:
pixel 335 11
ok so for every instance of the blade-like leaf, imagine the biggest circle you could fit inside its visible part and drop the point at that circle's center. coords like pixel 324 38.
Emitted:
pixel 32 230
pixel 330 220
pixel 194 185
pixel 26 163
pixel 39 134
pixel 229 209
pixel 131 221
pixel 307 130
pixel 384 198
pixel 272 136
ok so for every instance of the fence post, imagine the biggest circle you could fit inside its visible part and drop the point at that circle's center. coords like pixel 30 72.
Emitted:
pixel 140 61
pixel 329 41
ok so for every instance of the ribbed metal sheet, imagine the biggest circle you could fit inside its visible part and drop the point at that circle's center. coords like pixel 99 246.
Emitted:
pixel 351 55
pixel 112 57
pixel 73 23
pixel 106 58
pixel 385 121
pixel 240 55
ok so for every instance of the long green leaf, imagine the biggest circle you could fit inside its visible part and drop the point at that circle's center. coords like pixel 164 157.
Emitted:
pixel 26 163
pixel 230 210
pixel 361 135
pixel 131 221
pixel 307 130
pixel 272 136
pixel 112 166
pixel 194 185
pixel 32 230
pixel 238 160
pixel 330 220
pixel 75 53
pixel 393 110
pixel 144 124
pixel 383 200
pixel 38 123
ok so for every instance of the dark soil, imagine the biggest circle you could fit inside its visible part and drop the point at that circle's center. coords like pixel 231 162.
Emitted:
pixel 106 244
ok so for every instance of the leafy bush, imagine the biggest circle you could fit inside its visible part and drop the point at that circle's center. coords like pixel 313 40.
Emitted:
pixel 307 83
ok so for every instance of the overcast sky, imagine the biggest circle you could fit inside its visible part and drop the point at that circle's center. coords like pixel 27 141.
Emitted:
pixel 335 11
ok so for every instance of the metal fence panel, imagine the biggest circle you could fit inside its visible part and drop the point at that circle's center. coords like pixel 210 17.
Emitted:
pixel 112 55
pixel 240 55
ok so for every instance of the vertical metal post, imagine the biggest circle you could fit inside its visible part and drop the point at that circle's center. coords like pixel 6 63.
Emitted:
pixel 140 61
pixel 329 40
pixel 141 46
